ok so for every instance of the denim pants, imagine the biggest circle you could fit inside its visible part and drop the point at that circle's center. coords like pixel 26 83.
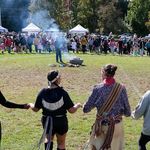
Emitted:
pixel 58 55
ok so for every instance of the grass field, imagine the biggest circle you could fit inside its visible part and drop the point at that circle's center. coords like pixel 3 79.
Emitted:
pixel 23 75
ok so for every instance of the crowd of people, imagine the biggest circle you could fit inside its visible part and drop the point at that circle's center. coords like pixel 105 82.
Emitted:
pixel 46 42
pixel 110 99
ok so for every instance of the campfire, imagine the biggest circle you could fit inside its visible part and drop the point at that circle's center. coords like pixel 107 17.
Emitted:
pixel 73 62
pixel 76 62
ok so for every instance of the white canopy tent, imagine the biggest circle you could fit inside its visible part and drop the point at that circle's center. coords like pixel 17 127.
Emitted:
pixel 31 28
pixel 2 29
pixel 78 29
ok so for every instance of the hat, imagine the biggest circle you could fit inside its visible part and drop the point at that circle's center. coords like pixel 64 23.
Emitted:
pixel 53 76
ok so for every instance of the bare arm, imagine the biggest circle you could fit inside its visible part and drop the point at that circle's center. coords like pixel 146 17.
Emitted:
pixel 74 108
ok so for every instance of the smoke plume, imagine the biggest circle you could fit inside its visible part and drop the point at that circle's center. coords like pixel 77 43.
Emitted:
pixel 14 13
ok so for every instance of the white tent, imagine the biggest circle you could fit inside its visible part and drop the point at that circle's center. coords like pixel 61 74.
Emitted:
pixel 78 29
pixel 2 29
pixel 31 28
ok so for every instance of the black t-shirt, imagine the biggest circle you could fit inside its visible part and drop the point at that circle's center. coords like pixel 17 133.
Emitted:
pixel 53 102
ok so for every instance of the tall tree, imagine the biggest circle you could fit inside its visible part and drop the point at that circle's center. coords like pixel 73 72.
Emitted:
pixel 62 14
pixel 89 14
pixel 148 22
pixel 49 14
pixel 138 15
pixel 110 17
pixel 74 12
pixel 96 15
pixel 122 5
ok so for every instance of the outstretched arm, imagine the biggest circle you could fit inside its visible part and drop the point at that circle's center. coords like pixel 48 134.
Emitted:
pixel 9 104
pixel 142 106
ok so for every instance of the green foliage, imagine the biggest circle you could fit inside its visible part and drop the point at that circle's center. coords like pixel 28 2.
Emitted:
pixel 89 14
pixel 74 10
pixel 123 6
pixel 110 17
pixel 59 10
pixel 148 22
pixel 96 15
pixel 138 15
pixel 99 15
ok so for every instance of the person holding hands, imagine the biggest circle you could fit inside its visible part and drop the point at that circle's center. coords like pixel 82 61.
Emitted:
pixel 143 110
pixel 54 102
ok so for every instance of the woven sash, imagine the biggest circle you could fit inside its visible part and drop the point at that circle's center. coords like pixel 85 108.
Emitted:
pixel 112 98
pixel 107 106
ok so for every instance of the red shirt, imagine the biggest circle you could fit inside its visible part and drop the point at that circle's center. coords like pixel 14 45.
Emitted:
pixel 8 42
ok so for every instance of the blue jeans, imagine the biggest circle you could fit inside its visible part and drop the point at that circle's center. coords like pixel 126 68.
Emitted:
pixel 9 49
pixel 58 55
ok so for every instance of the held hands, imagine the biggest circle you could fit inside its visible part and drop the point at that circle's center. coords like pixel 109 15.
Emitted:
pixel 78 105
pixel 29 105
pixel 132 115
pixel 75 108
pixel 26 106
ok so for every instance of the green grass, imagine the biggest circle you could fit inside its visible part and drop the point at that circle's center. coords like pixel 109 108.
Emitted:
pixel 23 75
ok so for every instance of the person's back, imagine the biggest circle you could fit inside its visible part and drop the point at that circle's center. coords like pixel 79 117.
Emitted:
pixel 111 101
pixel 143 110
pixel 55 102
pixel 36 41
pixel 96 43
pixel 23 40
pixel 121 106
pixel 30 40
pixel 147 45
pixel 8 41
pixel 120 43
pixel 59 42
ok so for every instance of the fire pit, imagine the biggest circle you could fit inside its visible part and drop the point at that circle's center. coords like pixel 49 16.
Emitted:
pixel 76 61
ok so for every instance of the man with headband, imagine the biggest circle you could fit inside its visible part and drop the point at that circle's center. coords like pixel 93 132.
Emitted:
pixel 54 102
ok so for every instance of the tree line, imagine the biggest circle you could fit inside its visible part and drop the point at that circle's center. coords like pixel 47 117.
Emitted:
pixel 99 16
pixel 102 16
